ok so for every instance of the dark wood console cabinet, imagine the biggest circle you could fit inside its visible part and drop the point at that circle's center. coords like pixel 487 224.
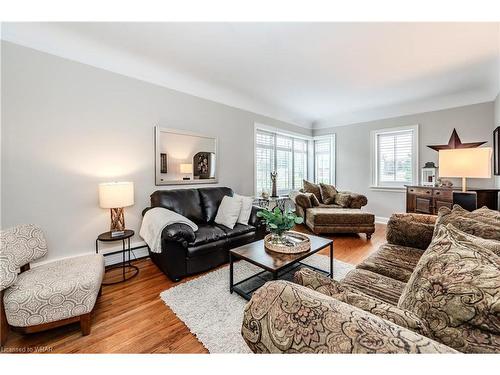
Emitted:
pixel 428 199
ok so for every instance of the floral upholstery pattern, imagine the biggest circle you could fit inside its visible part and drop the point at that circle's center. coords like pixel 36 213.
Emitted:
pixel 375 285
pixel 309 187
pixel 54 291
pixel 316 281
pixel 411 230
pixel 487 213
pixel 455 289
pixel 328 193
pixel 394 261
pixel 284 317
pixel 479 225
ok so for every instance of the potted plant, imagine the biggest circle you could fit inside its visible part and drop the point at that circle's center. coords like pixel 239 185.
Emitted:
pixel 279 222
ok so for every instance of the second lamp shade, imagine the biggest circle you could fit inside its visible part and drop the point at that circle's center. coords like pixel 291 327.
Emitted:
pixel 116 194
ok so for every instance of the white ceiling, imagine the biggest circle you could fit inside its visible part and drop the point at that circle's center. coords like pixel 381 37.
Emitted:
pixel 310 74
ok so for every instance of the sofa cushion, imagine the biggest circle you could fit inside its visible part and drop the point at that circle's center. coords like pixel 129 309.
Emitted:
pixel 238 229
pixel 343 199
pixel 328 193
pixel 186 202
pixel 332 216
pixel 309 187
pixel 467 222
pixel 211 199
pixel 207 233
pixel 454 288
pixel 395 261
pixel 486 212
pixel 373 284
pixel 54 291
pixel 343 293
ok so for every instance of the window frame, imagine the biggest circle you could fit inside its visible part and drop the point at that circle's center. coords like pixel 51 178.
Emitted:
pixel 374 152
pixel 281 133
pixel 333 161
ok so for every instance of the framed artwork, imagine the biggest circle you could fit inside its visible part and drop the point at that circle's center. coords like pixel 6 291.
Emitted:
pixel 496 151
pixel 203 165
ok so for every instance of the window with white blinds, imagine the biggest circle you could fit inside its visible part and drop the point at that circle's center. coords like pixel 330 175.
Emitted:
pixel 285 154
pixel 324 162
pixel 395 157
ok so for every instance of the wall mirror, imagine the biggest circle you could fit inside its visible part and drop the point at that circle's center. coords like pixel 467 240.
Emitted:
pixel 184 158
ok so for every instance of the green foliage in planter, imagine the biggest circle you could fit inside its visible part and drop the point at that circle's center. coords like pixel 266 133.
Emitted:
pixel 279 222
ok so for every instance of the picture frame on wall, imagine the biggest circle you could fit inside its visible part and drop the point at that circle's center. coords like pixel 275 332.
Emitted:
pixel 496 151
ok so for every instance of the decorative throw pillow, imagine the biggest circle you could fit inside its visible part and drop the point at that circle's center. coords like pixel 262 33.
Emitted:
pixel 309 187
pixel 328 193
pixel 454 289
pixel 246 208
pixel 343 200
pixel 486 212
pixel 465 238
pixel 228 212
pixel 467 222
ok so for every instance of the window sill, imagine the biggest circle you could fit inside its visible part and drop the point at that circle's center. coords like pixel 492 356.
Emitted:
pixel 396 189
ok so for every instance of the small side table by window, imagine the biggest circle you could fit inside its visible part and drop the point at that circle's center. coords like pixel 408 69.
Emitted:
pixel 106 237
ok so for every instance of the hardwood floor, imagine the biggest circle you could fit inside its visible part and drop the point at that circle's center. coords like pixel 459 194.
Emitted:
pixel 131 318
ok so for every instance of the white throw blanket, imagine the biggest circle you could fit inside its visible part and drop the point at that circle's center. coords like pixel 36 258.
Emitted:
pixel 155 220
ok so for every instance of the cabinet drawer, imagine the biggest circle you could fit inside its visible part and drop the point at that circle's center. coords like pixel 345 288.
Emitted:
pixel 420 191
pixel 444 194
pixel 423 205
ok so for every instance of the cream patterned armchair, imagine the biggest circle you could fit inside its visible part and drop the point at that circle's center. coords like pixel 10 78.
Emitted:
pixel 49 295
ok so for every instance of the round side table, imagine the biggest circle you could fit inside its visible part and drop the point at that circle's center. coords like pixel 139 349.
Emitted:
pixel 106 237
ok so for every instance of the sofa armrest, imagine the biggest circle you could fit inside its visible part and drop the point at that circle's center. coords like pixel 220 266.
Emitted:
pixel 283 317
pixel 357 200
pixel 343 293
pixel 181 233
pixel 411 230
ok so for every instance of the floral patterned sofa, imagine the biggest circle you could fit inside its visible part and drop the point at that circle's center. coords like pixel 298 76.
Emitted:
pixel 432 288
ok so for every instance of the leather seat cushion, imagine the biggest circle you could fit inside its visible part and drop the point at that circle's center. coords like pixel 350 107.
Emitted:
pixel 207 233
pixel 211 199
pixel 186 202
pixel 215 248
pixel 395 261
pixel 238 229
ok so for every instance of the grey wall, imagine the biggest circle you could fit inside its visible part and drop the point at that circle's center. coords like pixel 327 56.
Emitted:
pixel 473 123
pixel 67 126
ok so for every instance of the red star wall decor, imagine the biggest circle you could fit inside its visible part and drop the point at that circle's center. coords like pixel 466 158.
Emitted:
pixel 455 142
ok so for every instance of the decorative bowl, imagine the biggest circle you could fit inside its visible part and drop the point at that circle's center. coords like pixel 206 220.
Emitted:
pixel 290 242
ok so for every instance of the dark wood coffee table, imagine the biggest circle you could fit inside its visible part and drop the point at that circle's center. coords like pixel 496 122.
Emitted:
pixel 275 265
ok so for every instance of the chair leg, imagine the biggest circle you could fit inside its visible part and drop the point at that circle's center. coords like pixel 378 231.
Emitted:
pixel 85 321
pixel 100 292
pixel 4 326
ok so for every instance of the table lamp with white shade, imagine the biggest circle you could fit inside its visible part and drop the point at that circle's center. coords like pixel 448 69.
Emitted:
pixel 116 195
pixel 465 163
pixel 186 169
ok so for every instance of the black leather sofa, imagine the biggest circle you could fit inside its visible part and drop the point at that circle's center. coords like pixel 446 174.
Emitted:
pixel 185 252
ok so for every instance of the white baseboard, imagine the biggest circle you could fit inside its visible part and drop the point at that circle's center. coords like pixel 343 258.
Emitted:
pixel 108 259
pixel 381 220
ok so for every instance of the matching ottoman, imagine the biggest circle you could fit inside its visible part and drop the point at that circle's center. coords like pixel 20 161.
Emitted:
pixel 340 220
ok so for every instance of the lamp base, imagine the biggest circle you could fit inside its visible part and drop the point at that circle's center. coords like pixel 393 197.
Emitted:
pixel 117 220
pixel 464 184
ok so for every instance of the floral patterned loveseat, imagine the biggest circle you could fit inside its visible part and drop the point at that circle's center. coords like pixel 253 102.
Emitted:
pixel 432 288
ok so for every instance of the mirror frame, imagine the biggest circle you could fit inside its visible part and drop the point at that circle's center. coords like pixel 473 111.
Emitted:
pixel 157 130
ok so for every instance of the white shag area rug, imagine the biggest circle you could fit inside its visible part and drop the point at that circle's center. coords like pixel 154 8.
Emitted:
pixel 214 315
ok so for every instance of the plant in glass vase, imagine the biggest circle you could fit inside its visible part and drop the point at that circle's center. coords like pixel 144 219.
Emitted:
pixel 279 222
